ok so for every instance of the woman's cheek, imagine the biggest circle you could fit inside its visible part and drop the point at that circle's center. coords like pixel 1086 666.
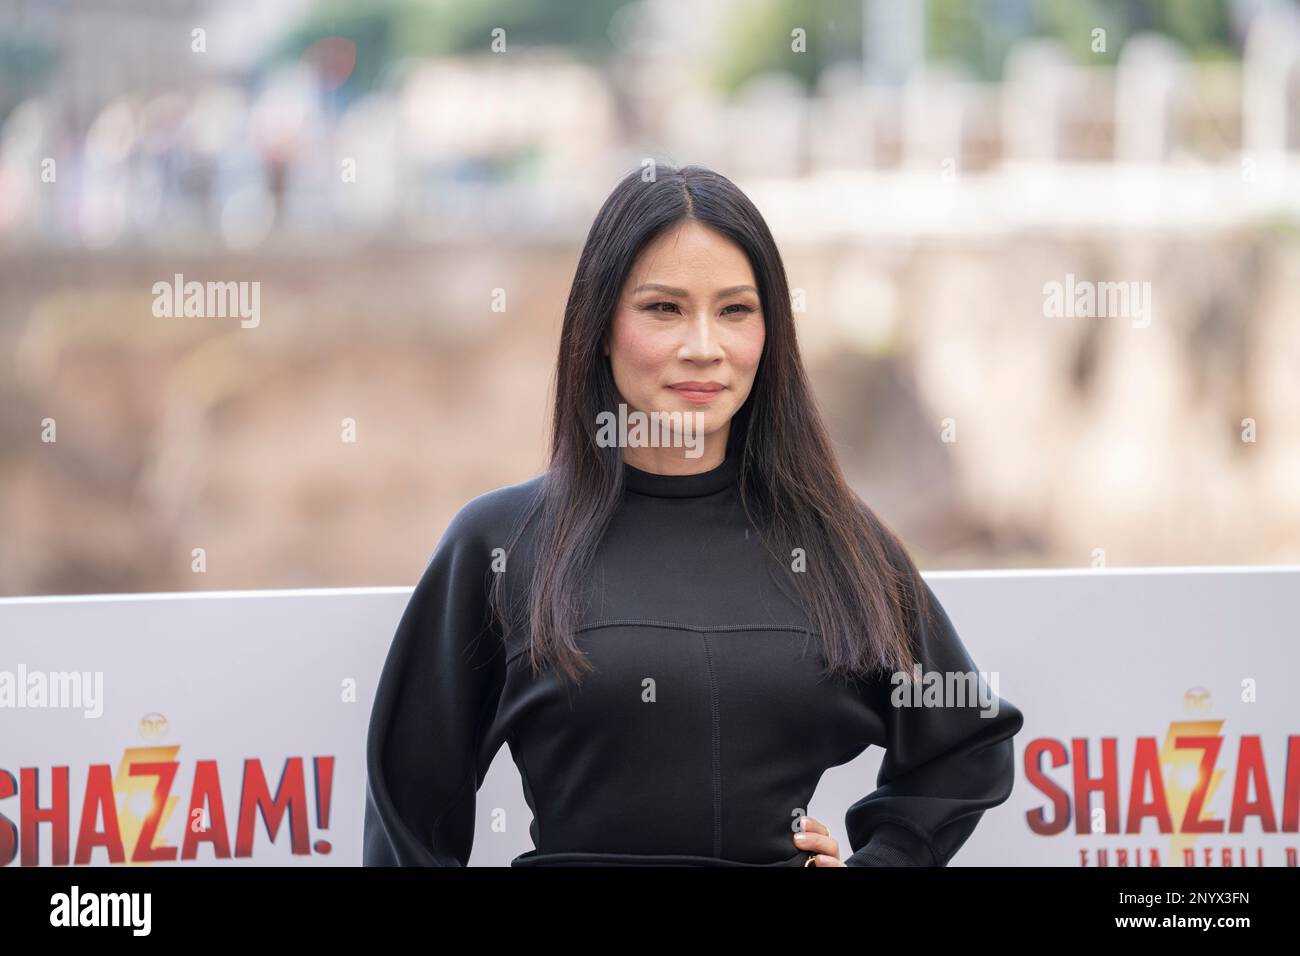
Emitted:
pixel 747 350
pixel 642 356
pixel 643 346
pixel 649 354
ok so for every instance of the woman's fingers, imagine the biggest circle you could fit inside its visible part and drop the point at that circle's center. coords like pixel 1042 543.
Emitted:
pixel 812 824
pixel 815 838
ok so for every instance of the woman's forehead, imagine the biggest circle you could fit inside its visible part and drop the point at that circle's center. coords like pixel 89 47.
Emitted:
pixel 704 259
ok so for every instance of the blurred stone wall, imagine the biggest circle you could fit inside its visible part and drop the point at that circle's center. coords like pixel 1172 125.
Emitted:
pixel 1071 435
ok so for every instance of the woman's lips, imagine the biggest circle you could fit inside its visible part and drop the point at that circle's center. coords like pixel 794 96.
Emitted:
pixel 698 392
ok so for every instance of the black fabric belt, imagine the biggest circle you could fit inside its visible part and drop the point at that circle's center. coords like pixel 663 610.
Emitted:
pixel 533 858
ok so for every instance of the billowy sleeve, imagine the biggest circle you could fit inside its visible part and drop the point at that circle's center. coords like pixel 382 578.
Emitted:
pixel 440 684
pixel 943 765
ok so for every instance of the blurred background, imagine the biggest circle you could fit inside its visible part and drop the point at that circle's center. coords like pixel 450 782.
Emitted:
pixel 408 184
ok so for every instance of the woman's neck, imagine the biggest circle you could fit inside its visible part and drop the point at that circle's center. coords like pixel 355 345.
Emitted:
pixel 676 460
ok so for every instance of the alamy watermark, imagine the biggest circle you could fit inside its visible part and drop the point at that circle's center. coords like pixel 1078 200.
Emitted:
pixel 82 690
pixel 637 429
pixel 946 689
pixel 131 910
pixel 208 300
pixel 1082 298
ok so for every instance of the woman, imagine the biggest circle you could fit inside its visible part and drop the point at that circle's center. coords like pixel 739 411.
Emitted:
pixel 677 637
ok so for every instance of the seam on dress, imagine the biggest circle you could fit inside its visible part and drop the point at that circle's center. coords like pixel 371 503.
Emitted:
pixel 717 748
pixel 667 625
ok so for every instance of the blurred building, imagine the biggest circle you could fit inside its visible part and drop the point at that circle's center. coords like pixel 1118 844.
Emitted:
pixel 388 176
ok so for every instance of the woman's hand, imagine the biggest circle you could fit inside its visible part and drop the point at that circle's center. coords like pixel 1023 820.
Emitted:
pixel 815 838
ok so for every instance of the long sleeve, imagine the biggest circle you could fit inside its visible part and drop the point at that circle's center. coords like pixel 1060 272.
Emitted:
pixel 943 765
pixel 426 755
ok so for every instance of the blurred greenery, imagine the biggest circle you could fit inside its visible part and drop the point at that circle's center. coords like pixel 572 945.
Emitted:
pixel 761 40
pixel 388 30
pixel 25 66
pixel 1202 27
pixel 973 34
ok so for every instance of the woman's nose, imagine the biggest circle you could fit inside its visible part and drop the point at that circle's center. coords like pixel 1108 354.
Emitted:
pixel 701 341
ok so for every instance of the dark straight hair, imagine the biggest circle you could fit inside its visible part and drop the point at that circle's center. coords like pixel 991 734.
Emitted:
pixel 860 588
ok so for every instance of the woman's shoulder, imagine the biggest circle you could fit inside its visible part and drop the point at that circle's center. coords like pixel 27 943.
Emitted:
pixel 492 515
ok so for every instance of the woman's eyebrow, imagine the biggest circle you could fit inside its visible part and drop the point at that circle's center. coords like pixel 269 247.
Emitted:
pixel 683 294
pixel 736 289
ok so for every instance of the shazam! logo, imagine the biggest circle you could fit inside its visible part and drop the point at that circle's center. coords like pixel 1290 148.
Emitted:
pixel 1168 787
pixel 140 803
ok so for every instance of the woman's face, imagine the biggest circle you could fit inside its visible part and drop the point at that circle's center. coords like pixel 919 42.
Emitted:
pixel 687 335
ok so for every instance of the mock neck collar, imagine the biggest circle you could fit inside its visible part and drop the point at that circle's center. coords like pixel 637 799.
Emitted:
pixel 681 486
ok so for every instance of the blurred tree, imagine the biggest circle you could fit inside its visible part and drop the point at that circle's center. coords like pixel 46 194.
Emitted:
pixel 973 34
pixel 25 67
pixel 761 39
pixel 976 35
pixel 386 31
pixel 1202 27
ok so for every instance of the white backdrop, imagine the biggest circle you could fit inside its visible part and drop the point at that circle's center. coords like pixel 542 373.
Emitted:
pixel 240 693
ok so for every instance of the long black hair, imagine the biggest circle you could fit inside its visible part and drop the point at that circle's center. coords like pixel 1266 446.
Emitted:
pixel 860 586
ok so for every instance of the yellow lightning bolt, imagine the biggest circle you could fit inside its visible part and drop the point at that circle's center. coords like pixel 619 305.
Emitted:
pixel 1173 759
pixel 130 790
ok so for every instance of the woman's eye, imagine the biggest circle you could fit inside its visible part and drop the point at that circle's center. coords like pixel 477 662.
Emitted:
pixel 671 307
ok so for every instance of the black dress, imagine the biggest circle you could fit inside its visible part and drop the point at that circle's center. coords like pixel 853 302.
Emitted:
pixel 704 728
